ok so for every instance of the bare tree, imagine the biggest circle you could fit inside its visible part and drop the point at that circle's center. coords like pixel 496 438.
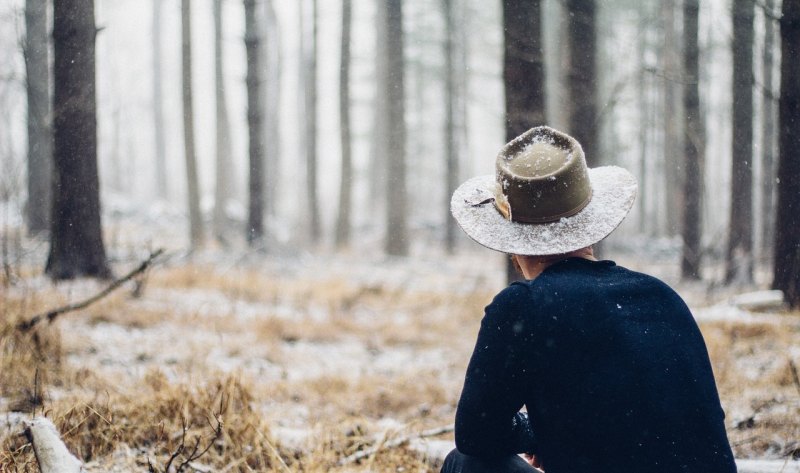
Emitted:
pixel 272 93
pixel 787 237
pixel 158 106
pixel 393 88
pixel 523 73
pixel 311 128
pixel 223 181
pixel 343 222
pixel 40 148
pixel 193 186
pixel 255 221
pixel 673 158
pixel 450 142
pixel 739 261
pixel 694 145
pixel 582 77
pixel 768 135
pixel 76 241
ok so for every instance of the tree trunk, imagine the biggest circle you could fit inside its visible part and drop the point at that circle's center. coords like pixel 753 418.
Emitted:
pixel 450 142
pixel 255 220
pixel 343 222
pixel 523 74
pixel 694 145
pixel 76 240
pixel 40 138
pixel 193 186
pixel 768 137
pixel 272 147
pixel 739 261
pixel 311 129
pixel 223 181
pixel 158 107
pixel 394 91
pixel 673 159
pixel 787 236
pixel 378 156
pixel 582 78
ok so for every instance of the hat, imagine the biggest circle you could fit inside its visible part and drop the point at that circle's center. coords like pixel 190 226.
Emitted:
pixel 543 199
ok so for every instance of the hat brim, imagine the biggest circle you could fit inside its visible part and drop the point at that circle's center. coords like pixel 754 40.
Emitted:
pixel 613 192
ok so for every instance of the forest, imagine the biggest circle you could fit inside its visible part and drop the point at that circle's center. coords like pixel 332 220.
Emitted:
pixel 226 234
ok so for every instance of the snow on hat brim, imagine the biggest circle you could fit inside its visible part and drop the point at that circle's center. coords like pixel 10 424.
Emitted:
pixel 613 193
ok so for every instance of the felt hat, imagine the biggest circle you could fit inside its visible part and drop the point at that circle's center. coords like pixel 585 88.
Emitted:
pixel 543 199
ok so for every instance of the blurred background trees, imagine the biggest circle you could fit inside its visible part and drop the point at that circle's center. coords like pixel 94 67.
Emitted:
pixel 351 130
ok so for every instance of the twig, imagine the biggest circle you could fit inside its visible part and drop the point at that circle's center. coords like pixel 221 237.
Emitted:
pixel 795 377
pixel 51 315
pixel 360 455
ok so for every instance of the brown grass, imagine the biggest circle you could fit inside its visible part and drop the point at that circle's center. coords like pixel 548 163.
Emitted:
pixel 108 423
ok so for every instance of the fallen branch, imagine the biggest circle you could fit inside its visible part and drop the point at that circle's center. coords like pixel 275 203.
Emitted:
pixel 51 453
pixel 394 443
pixel 51 315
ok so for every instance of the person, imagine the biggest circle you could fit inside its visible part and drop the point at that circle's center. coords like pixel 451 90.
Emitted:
pixel 608 363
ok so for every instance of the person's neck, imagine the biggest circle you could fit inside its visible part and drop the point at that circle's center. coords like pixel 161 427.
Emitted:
pixel 533 266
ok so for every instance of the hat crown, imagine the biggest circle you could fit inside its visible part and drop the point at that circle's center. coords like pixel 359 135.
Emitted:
pixel 542 177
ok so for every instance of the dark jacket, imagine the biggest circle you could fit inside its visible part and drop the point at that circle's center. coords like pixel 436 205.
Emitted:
pixel 611 367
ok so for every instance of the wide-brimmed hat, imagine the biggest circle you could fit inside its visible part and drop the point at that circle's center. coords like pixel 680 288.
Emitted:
pixel 543 199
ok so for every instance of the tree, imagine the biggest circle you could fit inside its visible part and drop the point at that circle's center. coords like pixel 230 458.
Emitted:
pixel 450 142
pixel 193 186
pixel 311 127
pixel 272 146
pixel 673 158
pixel 768 134
pixel 523 73
pixel 739 261
pixel 786 275
pixel 223 181
pixel 76 240
pixel 343 221
pixel 158 106
pixel 393 88
pixel 582 77
pixel 40 148
pixel 694 145
pixel 255 220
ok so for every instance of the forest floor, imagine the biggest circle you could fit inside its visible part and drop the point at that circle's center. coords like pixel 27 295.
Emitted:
pixel 297 362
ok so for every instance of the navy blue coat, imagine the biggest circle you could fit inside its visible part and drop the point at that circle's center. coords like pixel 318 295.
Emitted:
pixel 611 367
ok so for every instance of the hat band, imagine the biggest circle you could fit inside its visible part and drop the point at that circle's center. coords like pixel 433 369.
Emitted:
pixel 504 207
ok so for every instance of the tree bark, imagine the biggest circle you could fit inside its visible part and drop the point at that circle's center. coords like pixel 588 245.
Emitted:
pixel 523 74
pixel 255 220
pixel 739 261
pixel 394 91
pixel 193 186
pixel 311 129
pixel 223 181
pixel 343 222
pixel 786 275
pixel 694 145
pixel 40 138
pixel 158 106
pixel 378 156
pixel 582 77
pixel 76 240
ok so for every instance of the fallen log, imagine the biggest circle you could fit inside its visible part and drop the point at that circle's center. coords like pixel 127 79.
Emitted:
pixel 51 453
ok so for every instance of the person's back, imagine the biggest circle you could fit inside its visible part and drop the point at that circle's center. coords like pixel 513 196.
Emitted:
pixel 616 374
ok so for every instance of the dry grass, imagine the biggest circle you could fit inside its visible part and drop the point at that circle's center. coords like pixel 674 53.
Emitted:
pixel 120 422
